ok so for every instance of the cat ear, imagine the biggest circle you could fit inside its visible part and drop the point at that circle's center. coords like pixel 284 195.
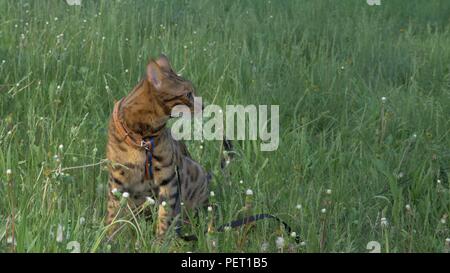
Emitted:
pixel 154 74
pixel 163 62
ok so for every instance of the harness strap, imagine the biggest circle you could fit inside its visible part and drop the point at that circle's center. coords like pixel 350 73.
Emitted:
pixel 257 217
pixel 126 134
pixel 149 157
pixel 178 203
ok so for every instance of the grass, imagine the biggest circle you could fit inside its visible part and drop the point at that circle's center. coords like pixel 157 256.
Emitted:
pixel 326 63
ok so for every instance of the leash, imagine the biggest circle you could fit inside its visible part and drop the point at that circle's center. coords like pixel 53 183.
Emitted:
pixel 242 222
pixel 233 224
pixel 257 217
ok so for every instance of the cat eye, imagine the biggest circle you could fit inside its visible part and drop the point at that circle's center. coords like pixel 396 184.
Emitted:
pixel 189 96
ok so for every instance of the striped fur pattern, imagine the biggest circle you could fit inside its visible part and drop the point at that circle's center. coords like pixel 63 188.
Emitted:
pixel 146 111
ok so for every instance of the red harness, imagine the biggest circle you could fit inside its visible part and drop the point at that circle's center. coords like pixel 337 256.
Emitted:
pixel 134 139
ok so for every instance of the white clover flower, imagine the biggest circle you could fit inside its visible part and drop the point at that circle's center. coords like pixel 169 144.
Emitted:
pixel 82 220
pixel 383 99
pixel 298 206
pixel 264 246
pixel 150 200
pixel 384 222
pixel 212 194
pixel 209 208
pixel 11 240
pixel 249 192
pixel 293 234
pixel 3 61
pixel 447 241
pixel 227 162
pixel 414 135
pixel 56 19
pixel 125 195
pixel 328 191
pixel 241 182
pixel 279 242
pixel 8 172
pixel 9 133
pixel 61 147
pixel 185 46
pixel 60 233
pixel 126 70
pixel 439 181
pixel 324 210
pixel 73 2
pixel 182 204
pixel 342 67
pixel 303 243
pixel 408 207
pixel 227 228
pixel 103 38
pixel 114 191
pixel 443 220
pixel 95 150
pixel 164 203
pixel 201 147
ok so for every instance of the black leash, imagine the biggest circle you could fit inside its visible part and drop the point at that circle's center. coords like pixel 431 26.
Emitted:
pixel 257 217
pixel 232 224
pixel 242 222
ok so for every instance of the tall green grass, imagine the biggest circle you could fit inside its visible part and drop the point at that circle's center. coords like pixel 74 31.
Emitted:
pixel 326 63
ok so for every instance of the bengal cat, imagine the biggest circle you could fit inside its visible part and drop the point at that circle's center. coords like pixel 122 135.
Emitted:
pixel 146 160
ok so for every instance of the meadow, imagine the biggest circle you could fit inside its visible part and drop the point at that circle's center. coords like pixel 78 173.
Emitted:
pixel 364 97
